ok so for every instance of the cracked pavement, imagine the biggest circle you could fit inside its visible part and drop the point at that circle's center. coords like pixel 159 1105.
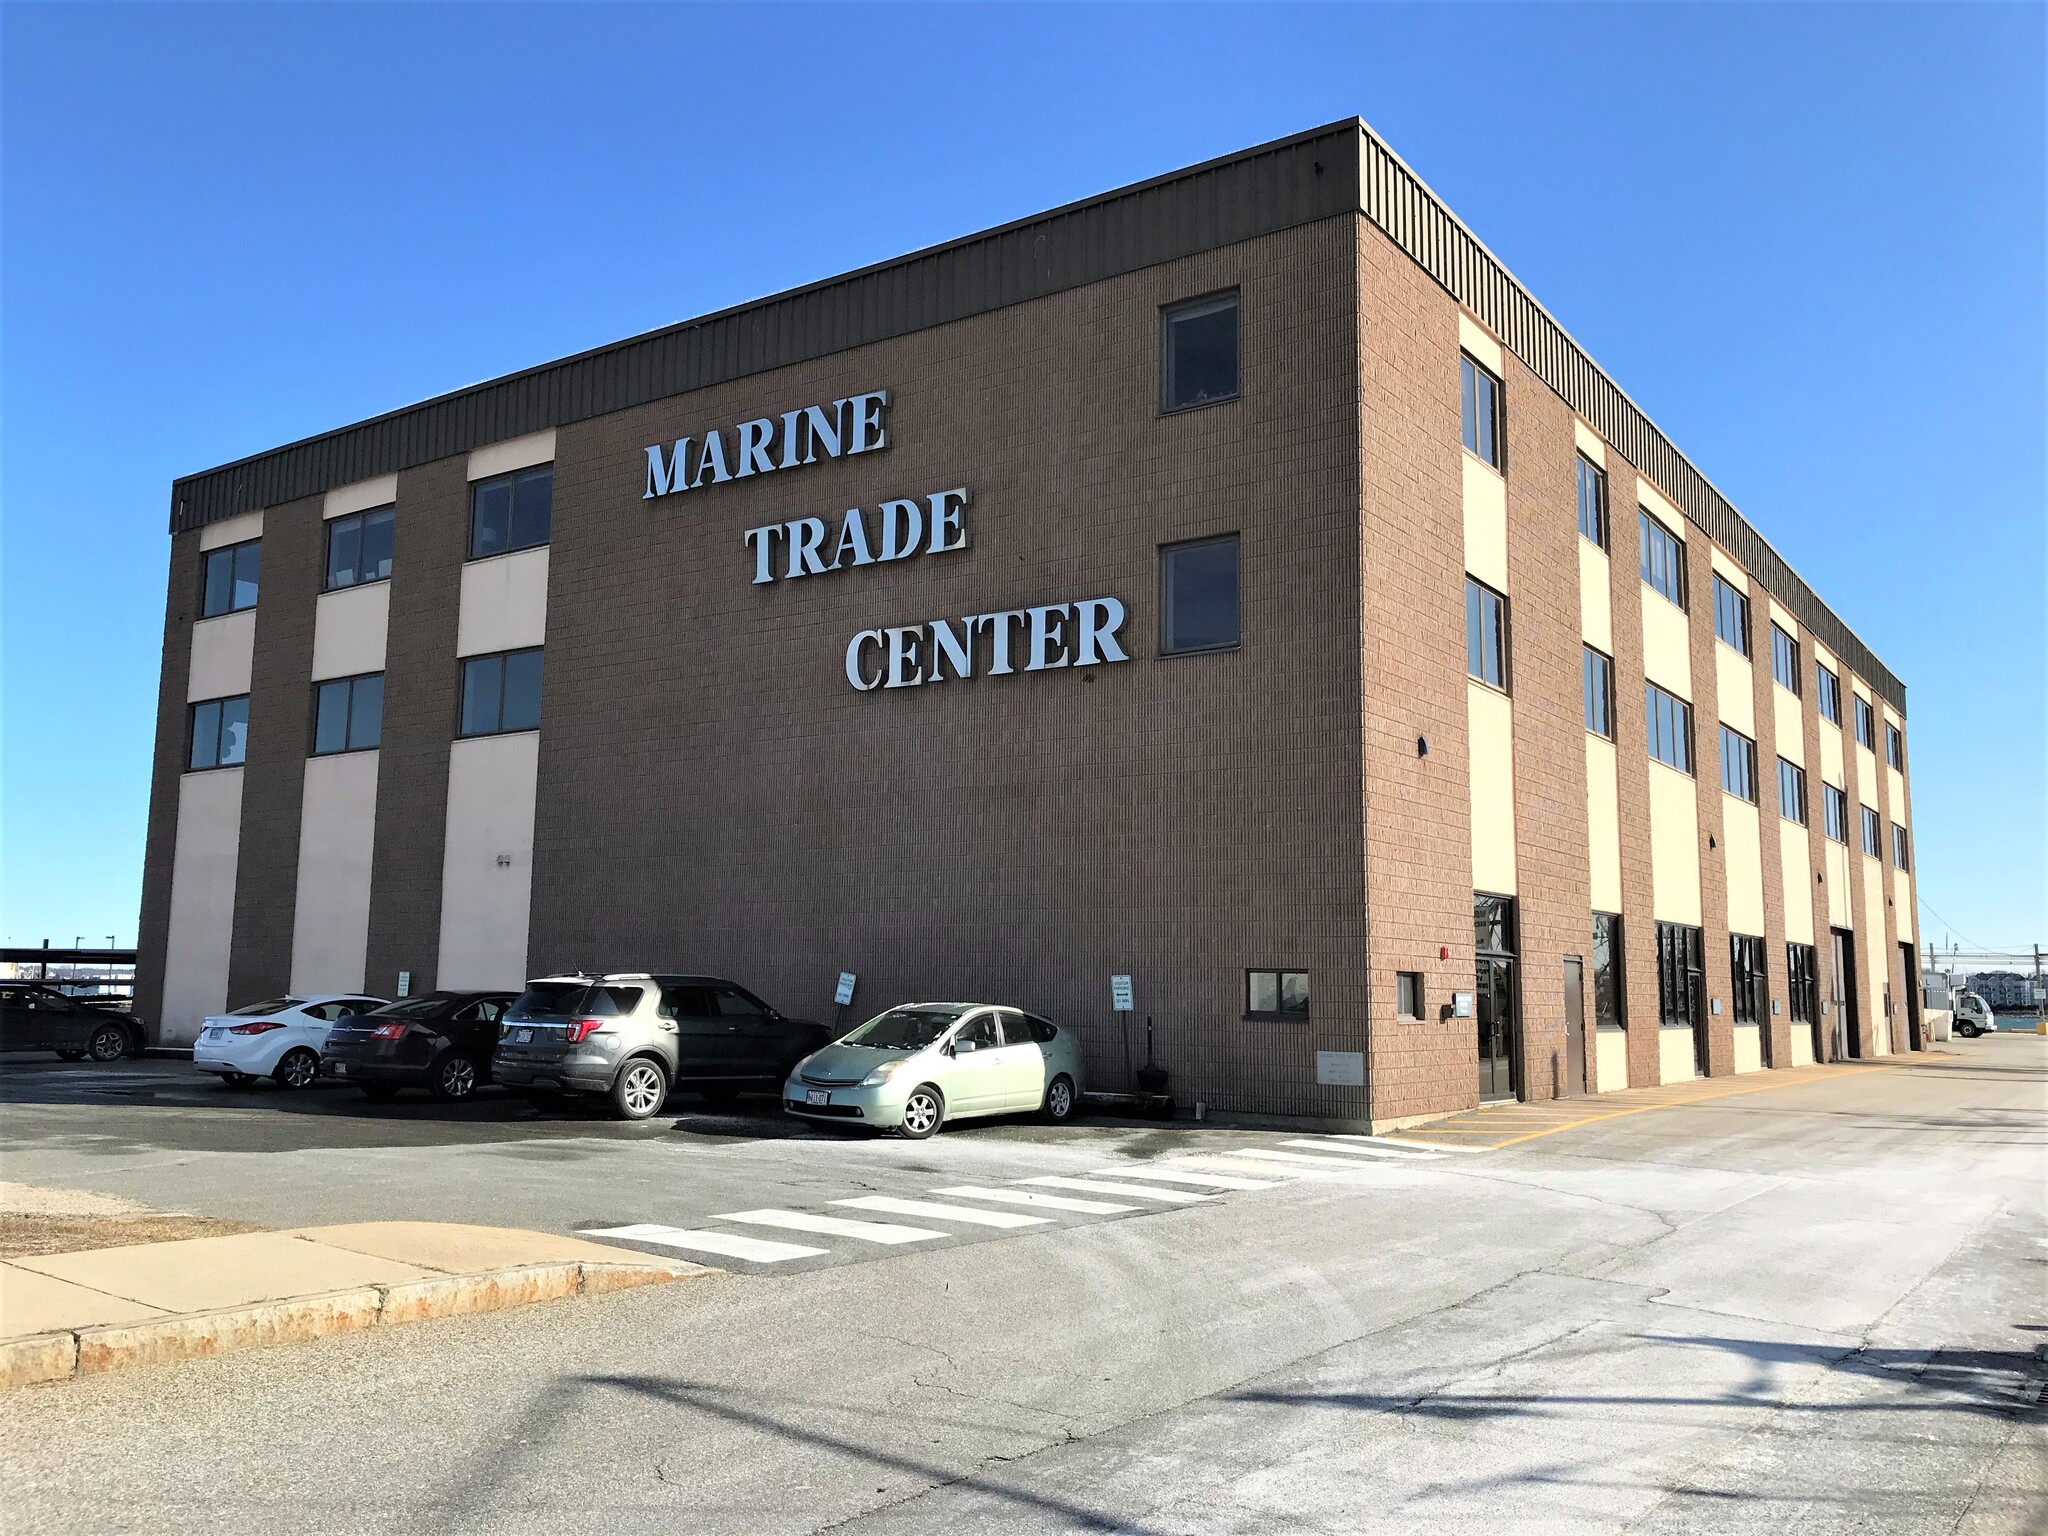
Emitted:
pixel 1819 1308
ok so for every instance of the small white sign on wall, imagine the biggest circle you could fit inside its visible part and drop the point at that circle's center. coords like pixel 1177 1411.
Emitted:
pixel 843 993
pixel 1120 993
pixel 1463 1004
pixel 405 983
pixel 1340 1069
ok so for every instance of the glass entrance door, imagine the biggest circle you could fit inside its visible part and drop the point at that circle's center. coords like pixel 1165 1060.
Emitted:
pixel 1496 1010
pixel 1848 1027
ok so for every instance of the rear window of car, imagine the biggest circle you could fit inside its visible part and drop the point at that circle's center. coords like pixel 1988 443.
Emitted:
pixel 411 1008
pixel 275 1005
pixel 546 999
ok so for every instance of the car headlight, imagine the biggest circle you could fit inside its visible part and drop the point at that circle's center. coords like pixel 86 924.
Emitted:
pixel 882 1074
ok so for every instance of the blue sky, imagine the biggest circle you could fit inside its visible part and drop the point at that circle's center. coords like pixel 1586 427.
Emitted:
pixel 1808 240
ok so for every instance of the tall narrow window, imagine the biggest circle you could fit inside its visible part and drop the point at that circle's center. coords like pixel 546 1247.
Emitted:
pixel 1731 616
pixel 231 577
pixel 1866 724
pixel 1894 746
pixel 359 547
pixel 501 693
pixel 1607 971
pixel 1663 556
pixel 1830 693
pixel 1592 501
pixel 1681 976
pixel 219 733
pixel 348 714
pixel 1486 634
pixel 1870 831
pixel 511 512
pixel 1198 353
pixel 1834 805
pixel 1802 992
pixel 1898 846
pixel 1791 792
pixel 1784 659
pixel 1738 765
pixel 1669 721
pixel 1198 596
pixel 1479 397
pixel 1752 984
pixel 1599 689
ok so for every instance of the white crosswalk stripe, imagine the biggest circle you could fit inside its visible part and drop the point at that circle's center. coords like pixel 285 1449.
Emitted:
pixel 1033 1197
pixel 833 1226
pixel 931 1210
pixel 1415 1147
pixel 1236 1162
pixel 1128 1191
pixel 729 1245
pixel 1166 1172
pixel 1385 1154
pixel 1275 1155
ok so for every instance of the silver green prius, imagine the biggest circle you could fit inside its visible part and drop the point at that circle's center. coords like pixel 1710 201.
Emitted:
pixel 916 1067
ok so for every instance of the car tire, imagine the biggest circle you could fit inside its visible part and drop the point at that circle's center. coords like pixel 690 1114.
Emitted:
pixel 297 1068
pixel 378 1093
pixel 237 1079
pixel 108 1043
pixel 640 1089
pixel 923 1113
pixel 1061 1101
pixel 72 1055
pixel 455 1078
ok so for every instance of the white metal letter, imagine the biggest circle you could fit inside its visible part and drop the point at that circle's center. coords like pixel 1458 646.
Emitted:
pixel 946 509
pixel 902 527
pixel 1100 619
pixel 854 673
pixel 754 439
pixel 853 534
pixel 999 628
pixel 824 431
pixel 713 461
pixel 948 647
pixel 806 534
pixel 1048 638
pixel 868 431
pixel 904 671
pixel 665 479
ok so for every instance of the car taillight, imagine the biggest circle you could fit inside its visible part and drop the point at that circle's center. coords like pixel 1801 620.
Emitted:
pixel 580 1030
pixel 254 1029
pixel 387 1032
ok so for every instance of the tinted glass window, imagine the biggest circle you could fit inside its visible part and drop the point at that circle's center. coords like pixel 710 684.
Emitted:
pixel 1408 994
pixel 904 1028
pixel 273 1005
pixel 1198 596
pixel 1493 924
pixel 220 733
pixel 1866 724
pixel 366 712
pixel 1479 410
pixel 1731 616
pixel 1791 792
pixel 1592 501
pixel 501 693
pixel 549 997
pixel 979 1031
pixel 1834 812
pixel 330 717
pixel 234 730
pixel 1869 831
pixel 1607 993
pixel 490 518
pixel 1738 765
pixel 205 735
pixel 533 507
pixel 688 1003
pixel 1784 659
pixel 1599 690
pixel 348 714
pixel 737 1005
pixel 1894 746
pixel 231 578
pixel 1669 721
pixel 610 1002
pixel 426 1006
pixel 483 682
pixel 1486 634
pixel 1663 558
pixel 1830 700
pixel 1199 343
pixel 522 692
pixel 1041 1031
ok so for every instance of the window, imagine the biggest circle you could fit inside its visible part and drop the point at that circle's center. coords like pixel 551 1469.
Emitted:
pixel 1198 596
pixel 1752 985
pixel 1607 992
pixel 1738 765
pixel 1592 501
pixel 1669 719
pixel 1830 688
pixel 1801 987
pixel 1479 395
pixel 1895 746
pixel 1785 659
pixel 1408 994
pixel 1276 994
pixel 1791 792
pixel 1866 724
pixel 1663 559
pixel 231 579
pixel 1493 924
pixel 1598 673
pixel 348 714
pixel 1899 847
pixel 1486 634
pixel 1198 353
pixel 359 547
pixel 1834 805
pixel 1681 979
pixel 511 512
pixel 501 693
pixel 1869 831
pixel 220 733
pixel 1731 616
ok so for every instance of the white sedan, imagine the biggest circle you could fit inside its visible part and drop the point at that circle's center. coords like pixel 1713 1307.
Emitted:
pixel 280 1039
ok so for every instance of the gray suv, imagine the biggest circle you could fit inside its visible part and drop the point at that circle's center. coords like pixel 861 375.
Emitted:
pixel 633 1036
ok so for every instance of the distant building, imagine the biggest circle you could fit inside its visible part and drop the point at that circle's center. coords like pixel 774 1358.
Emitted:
pixel 2003 989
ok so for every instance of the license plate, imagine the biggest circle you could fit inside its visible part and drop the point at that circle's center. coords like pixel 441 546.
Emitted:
pixel 522 1037
pixel 817 1096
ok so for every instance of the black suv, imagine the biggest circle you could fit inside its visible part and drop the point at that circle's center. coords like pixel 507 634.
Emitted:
pixel 439 1041
pixel 40 1018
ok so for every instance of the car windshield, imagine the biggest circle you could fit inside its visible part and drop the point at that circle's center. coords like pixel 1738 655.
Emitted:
pixel 549 999
pixel 412 1008
pixel 275 1005
pixel 904 1029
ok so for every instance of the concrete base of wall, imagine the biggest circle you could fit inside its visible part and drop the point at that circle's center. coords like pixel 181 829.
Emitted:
pixel 1675 1059
pixel 1749 1048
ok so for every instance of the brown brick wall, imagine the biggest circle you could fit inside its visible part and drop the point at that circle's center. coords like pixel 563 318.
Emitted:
pixel 1817 852
pixel 1552 875
pixel 153 925
pixel 1868 926
pixel 1706 768
pixel 1631 737
pixel 280 728
pixel 421 685
pixel 1772 828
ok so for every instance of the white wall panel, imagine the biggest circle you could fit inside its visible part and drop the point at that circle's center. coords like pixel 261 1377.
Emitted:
pixel 223 652
pixel 504 603
pixel 202 925
pixel 337 822
pixel 349 630
pixel 487 864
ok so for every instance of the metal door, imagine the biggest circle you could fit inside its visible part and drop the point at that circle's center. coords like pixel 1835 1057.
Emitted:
pixel 1848 1026
pixel 1906 962
pixel 1575 1083
pixel 1495 1007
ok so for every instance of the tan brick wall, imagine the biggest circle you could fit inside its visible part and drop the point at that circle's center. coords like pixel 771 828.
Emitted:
pixel 1631 737
pixel 153 924
pixel 1772 828
pixel 1706 768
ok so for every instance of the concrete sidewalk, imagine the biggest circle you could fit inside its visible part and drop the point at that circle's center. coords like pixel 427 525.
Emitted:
pixel 68 1314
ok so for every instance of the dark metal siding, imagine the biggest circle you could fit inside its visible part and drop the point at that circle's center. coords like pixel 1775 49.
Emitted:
pixel 1338 169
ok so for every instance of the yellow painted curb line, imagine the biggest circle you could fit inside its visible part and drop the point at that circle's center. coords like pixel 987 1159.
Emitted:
pixel 1642 1109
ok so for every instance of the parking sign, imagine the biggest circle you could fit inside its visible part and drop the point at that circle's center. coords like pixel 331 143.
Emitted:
pixel 1120 993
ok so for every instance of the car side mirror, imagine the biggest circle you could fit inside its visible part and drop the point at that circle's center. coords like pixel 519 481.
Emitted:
pixel 964 1045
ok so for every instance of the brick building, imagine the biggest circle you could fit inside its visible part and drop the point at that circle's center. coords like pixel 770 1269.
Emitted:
pixel 1236 582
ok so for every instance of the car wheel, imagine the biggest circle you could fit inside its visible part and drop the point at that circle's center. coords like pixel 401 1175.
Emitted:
pixel 455 1078
pixel 378 1093
pixel 237 1079
pixel 72 1055
pixel 923 1112
pixel 298 1069
pixel 108 1043
pixel 640 1089
pixel 1060 1100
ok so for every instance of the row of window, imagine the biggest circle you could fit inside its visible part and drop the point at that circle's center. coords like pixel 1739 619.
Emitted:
pixel 500 693
pixel 509 512
pixel 1681 976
